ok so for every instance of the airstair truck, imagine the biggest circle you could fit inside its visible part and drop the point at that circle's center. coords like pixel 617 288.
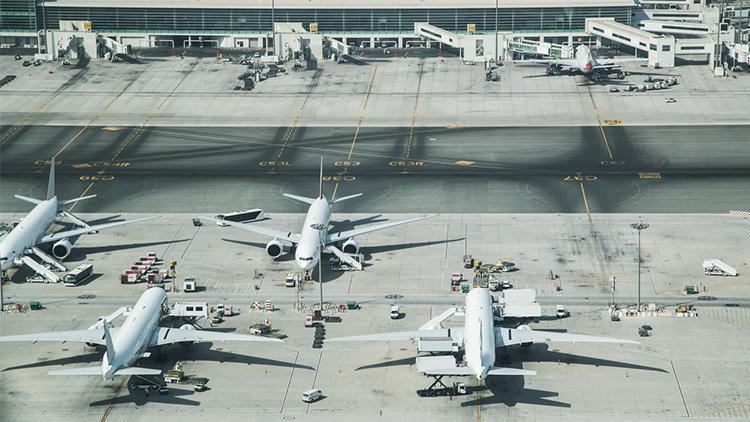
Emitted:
pixel 718 267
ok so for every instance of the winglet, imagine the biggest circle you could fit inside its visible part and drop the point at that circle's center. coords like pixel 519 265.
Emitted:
pixel 51 183
pixel 320 190
pixel 108 342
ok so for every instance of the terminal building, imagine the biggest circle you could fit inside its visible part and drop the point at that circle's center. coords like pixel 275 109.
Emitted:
pixel 479 29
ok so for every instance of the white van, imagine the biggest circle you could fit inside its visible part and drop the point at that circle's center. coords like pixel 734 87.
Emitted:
pixel 310 396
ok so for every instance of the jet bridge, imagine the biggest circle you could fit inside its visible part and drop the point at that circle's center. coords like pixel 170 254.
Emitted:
pixel 524 46
pixel 474 47
pixel 660 48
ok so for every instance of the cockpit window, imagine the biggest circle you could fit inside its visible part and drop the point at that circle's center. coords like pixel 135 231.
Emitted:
pixel 306 259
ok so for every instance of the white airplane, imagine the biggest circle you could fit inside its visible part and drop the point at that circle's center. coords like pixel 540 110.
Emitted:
pixel 315 232
pixel 128 343
pixel 479 338
pixel 584 63
pixel 17 246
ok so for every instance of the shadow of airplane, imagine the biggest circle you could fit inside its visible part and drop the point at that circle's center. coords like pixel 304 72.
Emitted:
pixel 540 352
pixel 287 256
pixel 86 358
pixel 342 225
pixel 139 397
pixel 401 246
pixel 203 352
pixel 80 253
pixel 509 390
pixel 398 362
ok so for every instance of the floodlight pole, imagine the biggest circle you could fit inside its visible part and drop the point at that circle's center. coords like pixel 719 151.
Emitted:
pixel 639 226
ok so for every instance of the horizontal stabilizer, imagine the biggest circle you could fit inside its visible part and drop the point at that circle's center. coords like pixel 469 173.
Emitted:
pixel 89 370
pixel 80 198
pixel 27 199
pixel 138 371
pixel 304 199
pixel 510 371
pixel 342 199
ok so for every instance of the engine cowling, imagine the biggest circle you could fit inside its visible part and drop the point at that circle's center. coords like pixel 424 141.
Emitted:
pixel 186 327
pixel 351 247
pixel 61 249
pixel 274 249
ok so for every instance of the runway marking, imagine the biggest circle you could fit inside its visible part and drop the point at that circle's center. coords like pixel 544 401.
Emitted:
pixel 85 191
pixel 315 378
pixel 356 133
pixel 414 113
pixel 599 122
pixel 299 113
pixel 111 401
pixel 679 387
pixel 649 175
pixel 289 384
pixel 594 237
pixel 70 141
pixel 307 147
pixel 479 402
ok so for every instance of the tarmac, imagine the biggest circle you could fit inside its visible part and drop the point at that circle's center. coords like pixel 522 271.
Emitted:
pixel 545 172
pixel 676 373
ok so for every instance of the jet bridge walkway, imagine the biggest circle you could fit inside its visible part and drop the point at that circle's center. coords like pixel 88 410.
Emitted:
pixel 435 33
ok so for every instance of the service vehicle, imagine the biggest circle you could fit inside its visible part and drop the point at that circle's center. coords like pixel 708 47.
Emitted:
pixel 240 216
pixel 395 312
pixel 310 396
pixel 78 275
pixel 562 312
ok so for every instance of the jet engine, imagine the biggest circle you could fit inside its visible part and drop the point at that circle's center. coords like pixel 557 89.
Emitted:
pixel 274 249
pixel 351 247
pixel 61 249
pixel 186 327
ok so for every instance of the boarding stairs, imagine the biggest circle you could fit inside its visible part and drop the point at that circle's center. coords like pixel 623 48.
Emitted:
pixel 40 269
pixel 345 258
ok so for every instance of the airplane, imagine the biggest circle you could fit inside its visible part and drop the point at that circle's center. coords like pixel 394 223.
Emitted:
pixel 24 240
pixel 479 338
pixel 315 232
pixel 128 343
pixel 584 63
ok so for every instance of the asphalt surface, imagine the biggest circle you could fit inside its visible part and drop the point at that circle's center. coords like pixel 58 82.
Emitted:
pixel 610 169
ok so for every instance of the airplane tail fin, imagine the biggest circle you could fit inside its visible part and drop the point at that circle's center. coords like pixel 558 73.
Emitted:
pixel 304 199
pixel 89 370
pixel 320 188
pixel 342 199
pixel 51 183
pixel 108 341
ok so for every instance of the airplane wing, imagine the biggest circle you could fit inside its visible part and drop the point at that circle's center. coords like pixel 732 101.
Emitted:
pixel 560 62
pixel 76 232
pixel 397 336
pixel 335 237
pixel 615 62
pixel 167 335
pixel 265 231
pixel 511 336
pixel 88 336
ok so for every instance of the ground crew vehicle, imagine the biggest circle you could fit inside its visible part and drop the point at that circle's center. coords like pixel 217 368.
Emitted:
pixel 78 275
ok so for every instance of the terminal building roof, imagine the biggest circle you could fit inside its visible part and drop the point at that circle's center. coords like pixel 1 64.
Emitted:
pixel 340 4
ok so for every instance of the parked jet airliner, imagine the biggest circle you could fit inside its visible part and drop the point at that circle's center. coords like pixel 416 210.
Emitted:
pixel 17 246
pixel 479 338
pixel 315 232
pixel 126 344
